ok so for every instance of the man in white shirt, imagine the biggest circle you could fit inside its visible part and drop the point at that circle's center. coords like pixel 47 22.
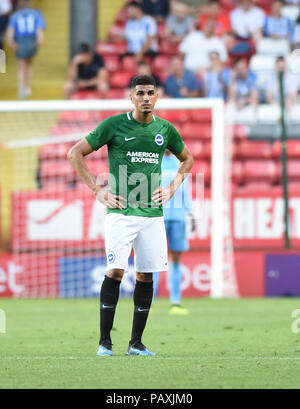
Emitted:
pixel 197 46
pixel 247 20
pixel 289 82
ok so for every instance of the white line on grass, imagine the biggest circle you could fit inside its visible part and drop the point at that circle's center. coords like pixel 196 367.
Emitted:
pixel 257 358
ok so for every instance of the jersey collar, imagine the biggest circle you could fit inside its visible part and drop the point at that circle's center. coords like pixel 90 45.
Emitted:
pixel 130 117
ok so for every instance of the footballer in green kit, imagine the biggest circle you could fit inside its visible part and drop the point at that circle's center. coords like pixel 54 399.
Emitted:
pixel 136 143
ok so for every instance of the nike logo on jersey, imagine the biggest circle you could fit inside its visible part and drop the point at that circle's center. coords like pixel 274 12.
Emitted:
pixel 129 139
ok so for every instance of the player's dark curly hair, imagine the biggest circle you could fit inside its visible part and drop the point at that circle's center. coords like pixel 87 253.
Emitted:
pixel 142 80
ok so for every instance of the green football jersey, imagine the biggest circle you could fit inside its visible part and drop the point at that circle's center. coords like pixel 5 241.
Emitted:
pixel 135 152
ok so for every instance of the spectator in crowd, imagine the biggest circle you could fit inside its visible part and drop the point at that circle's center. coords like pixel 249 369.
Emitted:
pixel 181 83
pixel 214 12
pixel 156 8
pixel 197 45
pixel 179 23
pixel 144 68
pixel 243 89
pixel 276 25
pixel 5 9
pixel 86 71
pixel 289 84
pixel 247 20
pixel 216 78
pixel 140 32
pixel 295 37
pixel 25 35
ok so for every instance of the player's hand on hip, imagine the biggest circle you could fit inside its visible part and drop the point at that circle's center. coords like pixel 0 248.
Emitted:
pixel 110 200
pixel 162 195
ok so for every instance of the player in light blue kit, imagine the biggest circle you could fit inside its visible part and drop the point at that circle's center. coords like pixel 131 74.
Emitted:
pixel 175 214
pixel 25 35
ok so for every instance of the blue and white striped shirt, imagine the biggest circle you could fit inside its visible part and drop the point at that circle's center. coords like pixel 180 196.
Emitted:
pixel 137 31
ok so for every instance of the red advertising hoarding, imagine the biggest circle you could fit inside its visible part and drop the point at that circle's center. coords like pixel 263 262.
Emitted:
pixel 28 275
pixel 249 268
pixel 75 220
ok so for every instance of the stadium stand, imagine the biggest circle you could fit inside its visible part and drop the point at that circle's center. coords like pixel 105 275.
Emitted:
pixel 255 163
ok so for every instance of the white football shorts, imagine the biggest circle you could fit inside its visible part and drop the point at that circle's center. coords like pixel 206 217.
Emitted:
pixel 145 235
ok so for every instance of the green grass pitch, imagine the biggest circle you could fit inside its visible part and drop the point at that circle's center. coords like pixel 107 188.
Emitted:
pixel 246 343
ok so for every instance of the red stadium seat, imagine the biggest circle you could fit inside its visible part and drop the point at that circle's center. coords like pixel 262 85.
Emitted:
pixel 117 48
pixel 51 186
pixel 161 63
pixel 255 170
pixel 294 186
pixel 64 129
pixel 178 115
pixel 54 151
pixel 77 129
pixel 117 93
pixel 200 115
pixel 207 150
pixel 196 148
pixel 120 79
pixel 201 168
pixel 112 63
pixel 58 170
pixel 194 130
pixel 106 114
pixel 122 16
pixel 86 94
pixel 260 186
pixel 292 148
pixel 239 132
pixel 97 166
pixel 266 5
pixel 254 149
pixel 116 31
pixel 161 28
pixel 168 48
pixel 129 64
pixel 237 172
pixel 228 5
pixel 293 169
pixel 76 116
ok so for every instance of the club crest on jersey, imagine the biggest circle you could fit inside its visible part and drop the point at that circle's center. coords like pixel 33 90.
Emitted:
pixel 159 139
pixel 111 257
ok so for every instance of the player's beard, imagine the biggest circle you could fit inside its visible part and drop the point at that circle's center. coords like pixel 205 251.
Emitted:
pixel 146 110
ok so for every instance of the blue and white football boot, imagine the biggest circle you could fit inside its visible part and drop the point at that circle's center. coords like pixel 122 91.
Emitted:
pixel 137 348
pixel 105 349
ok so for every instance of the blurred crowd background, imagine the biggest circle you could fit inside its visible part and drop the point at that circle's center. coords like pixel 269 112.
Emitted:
pixel 231 49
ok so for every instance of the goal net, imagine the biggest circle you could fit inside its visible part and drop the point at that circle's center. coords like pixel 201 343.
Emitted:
pixel 52 228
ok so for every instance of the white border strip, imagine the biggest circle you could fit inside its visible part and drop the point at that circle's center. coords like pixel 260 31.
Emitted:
pixel 103 105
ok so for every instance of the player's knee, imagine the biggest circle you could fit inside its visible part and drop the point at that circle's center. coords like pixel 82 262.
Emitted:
pixel 116 274
pixel 176 256
pixel 145 277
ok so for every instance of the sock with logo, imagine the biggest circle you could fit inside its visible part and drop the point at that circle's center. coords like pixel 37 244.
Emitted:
pixel 174 283
pixel 142 299
pixel 109 296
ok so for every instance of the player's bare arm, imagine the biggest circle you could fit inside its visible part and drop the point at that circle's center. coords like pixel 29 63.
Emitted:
pixel 76 157
pixel 162 195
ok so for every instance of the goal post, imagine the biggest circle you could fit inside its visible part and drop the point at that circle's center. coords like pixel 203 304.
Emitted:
pixel 221 251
